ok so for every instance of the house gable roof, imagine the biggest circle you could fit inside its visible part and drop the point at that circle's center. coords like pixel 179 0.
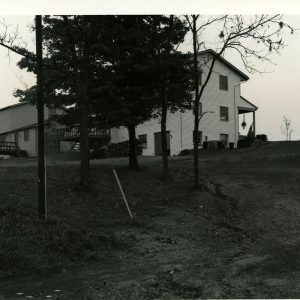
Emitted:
pixel 226 62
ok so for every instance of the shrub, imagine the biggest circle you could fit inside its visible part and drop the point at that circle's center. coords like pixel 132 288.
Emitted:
pixel 262 137
pixel 185 152
pixel 120 149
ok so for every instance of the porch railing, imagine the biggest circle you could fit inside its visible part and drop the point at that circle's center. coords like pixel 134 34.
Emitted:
pixel 74 133
pixel 11 148
pixel 8 146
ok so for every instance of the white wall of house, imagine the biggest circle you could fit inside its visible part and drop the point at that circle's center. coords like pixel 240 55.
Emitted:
pixel 181 125
pixel 18 116
pixel 213 98
pixel 14 120
pixel 29 145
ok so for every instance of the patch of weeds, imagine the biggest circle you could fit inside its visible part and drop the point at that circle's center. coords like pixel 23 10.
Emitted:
pixel 28 244
pixel 164 285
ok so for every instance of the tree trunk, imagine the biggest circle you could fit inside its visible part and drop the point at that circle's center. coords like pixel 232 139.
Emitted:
pixel 196 105
pixel 163 126
pixel 42 207
pixel 133 162
pixel 84 128
pixel 84 142
pixel 164 101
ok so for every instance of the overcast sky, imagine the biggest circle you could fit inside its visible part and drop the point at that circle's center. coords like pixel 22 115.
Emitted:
pixel 275 93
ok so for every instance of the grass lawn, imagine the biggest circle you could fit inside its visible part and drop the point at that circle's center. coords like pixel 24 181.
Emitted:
pixel 239 238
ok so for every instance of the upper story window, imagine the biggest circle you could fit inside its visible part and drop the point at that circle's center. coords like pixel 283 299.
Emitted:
pixel 224 113
pixel 223 82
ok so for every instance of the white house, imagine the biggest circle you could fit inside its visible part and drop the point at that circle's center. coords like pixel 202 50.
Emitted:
pixel 221 105
pixel 18 126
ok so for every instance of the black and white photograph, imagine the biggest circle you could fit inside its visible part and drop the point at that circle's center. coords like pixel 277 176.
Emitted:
pixel 150 150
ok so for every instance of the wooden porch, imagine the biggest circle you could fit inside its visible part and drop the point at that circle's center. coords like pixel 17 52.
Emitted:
pixel 73 134
pixel 11 148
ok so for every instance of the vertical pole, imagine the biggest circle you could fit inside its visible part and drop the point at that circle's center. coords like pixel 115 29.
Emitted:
pixel 196 103
pixel 40 112
pixel 254 125
pixel 122 193
pixel 181 143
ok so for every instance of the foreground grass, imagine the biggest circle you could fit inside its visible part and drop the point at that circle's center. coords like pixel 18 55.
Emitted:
pixel 237 239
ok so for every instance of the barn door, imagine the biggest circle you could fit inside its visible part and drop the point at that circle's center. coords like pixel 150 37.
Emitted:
pixel 157 143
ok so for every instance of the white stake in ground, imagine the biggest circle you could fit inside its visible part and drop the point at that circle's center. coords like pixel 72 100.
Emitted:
pixel 123 195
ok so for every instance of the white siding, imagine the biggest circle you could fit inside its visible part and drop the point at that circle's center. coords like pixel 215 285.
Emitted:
pixel 181 125
pixel 29 146
pixel 19 116
pixel 213 98
pixel 16 117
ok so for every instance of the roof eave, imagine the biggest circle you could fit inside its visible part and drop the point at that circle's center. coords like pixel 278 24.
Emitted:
pixel 226 62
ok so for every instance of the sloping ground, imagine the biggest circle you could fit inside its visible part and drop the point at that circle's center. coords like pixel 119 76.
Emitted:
pixel 274 150
pixel 238 239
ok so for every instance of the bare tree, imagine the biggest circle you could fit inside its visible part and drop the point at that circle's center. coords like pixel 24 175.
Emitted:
pixel 11 40
pixel 252 37
pixel 286 128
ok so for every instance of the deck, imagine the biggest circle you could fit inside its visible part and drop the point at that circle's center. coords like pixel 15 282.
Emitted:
pixel 10 148
pixel 73 134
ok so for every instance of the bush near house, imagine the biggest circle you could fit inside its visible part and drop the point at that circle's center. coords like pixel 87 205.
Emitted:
pixel 120 149
pixel 262 137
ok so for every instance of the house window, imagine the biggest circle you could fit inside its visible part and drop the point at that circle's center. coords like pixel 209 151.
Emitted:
pixel 199 137
pixel 224 139
pixel 26 135
pixel 223 82
pixel 143 141
pixel 224 113
pixel 2 138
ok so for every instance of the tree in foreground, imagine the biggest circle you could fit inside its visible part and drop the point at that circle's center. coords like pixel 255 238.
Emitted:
pixel 145 75
pixel 127 90
pixel 253 38
pixel 173 73
pixel 73 47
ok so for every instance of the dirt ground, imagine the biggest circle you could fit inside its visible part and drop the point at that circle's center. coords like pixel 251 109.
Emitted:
pixel 237 238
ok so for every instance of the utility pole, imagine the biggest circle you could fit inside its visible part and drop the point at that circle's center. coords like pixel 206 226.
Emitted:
pixel 40 111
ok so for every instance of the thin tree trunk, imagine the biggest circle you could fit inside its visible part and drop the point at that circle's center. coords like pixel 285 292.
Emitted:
pixel 196 105
pixel 40 107
pixel 84 127
pixel 84 142
pixel 163 125
pixel 133 162
pixel 81 73
pixel 164 102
